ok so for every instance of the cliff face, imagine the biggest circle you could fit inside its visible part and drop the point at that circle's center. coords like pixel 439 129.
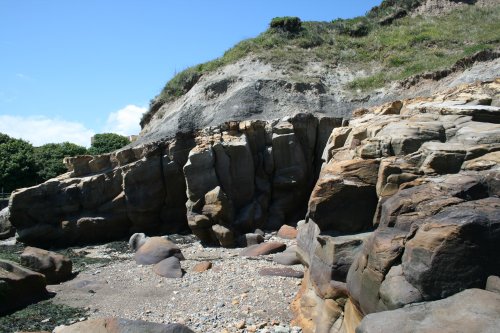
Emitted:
pixel 424 173
pixel 239 175
pixel 251 90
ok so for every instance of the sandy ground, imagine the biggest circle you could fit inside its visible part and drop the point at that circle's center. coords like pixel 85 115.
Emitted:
pixel 230 297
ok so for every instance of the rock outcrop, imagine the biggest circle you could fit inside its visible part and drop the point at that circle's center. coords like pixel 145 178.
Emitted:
pixel 433 197
pixel 107 197
pixel 222 182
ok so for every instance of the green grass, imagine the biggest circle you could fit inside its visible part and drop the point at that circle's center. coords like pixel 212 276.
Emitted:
pixel 409 46
pixel 11 252
pixel 41 316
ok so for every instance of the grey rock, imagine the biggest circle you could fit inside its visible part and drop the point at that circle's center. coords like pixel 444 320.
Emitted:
pixel 169 268
pixel 136 241
pixel 6 229
pixel 493 284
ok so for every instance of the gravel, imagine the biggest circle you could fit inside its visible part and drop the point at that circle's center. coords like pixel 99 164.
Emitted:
pixel 229 297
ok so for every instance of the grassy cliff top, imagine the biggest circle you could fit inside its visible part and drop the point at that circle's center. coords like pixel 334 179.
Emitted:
pixel 387 42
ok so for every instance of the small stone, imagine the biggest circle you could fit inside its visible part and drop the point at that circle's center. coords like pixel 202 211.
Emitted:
pixel 287 232
pixel 261 325
pixel 252 328
pixel 202 266
pixel 240 324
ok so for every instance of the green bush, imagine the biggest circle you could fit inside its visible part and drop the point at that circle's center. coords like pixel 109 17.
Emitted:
pixel 49 158
pixel 291 24
pixel 356 27
pixel 17 164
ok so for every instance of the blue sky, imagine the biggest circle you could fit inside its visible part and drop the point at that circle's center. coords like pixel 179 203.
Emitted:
pixel 70 69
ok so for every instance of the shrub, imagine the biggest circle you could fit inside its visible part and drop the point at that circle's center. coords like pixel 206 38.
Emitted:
pixel 49 158
pixel 287 23
pixel 356 27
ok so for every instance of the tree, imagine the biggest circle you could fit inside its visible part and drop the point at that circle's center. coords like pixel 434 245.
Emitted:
pixel 107 142
pixel 17 163
pixel 49 158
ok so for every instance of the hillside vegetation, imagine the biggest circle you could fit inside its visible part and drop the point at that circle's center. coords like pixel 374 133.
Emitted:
pixel 387 43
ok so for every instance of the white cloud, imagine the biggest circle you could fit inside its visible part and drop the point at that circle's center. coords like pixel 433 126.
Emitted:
pixel 40 130
pixel 125 121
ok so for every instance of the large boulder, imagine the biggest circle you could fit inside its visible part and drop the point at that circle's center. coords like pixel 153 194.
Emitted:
pixel 472 310
pixel 156 249
pixel 169 268
pixel 56 267
pixel 344 198
pixel 19 286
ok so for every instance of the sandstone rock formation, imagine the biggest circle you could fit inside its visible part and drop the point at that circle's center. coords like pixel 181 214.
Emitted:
pixel 435 206
pixel 233 179
pixel 107 197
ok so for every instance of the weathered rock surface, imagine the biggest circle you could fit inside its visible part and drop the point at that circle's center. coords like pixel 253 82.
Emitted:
pixel 472 310
pixel 493 284
pixel 321 301
pixel 119 325
pixel 221 182
pixel 287 232
pixel 340 191
pixel 288 257
pixel 56 267
pixel 138 189
pixel 430 167
pixel 253 174
pixel 19 286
